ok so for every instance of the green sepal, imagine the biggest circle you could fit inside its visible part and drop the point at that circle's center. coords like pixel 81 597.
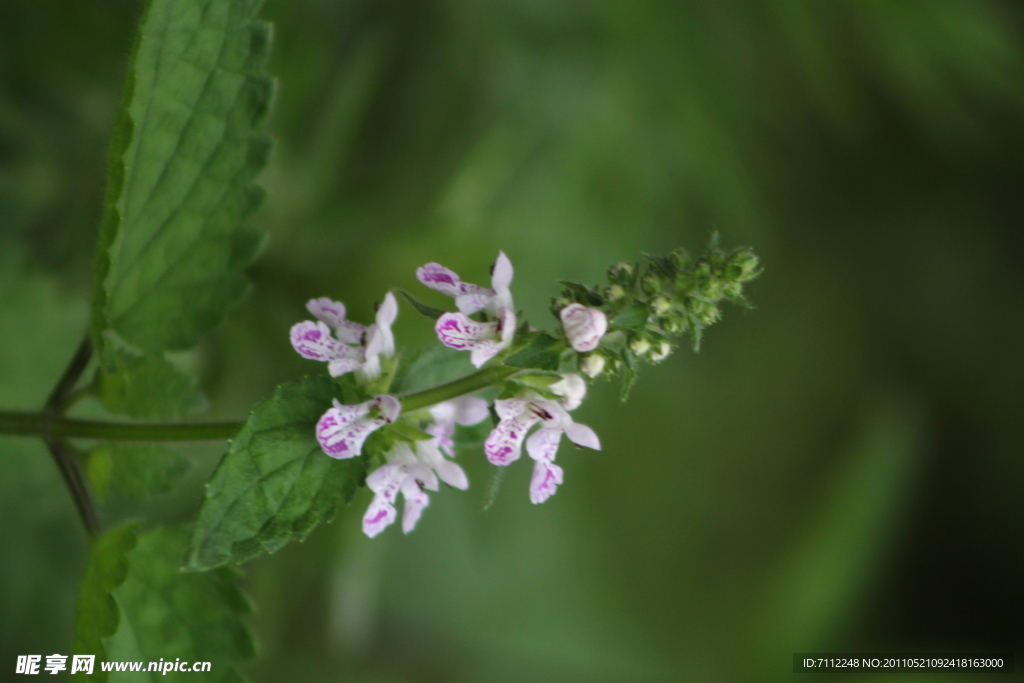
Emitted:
pixel 275 484
pixel 582 294
pixel 405 431
pixel 634 317
pixel 426 310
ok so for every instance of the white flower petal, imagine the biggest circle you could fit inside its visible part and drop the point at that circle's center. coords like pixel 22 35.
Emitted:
pixel 582 435
pixel 465 410
pixel 338 367
pixel 572 389
pixel 415 500
pixel 501 276
pixel 458 331
pixel 543 445
pixel 452 474
pixel 330 311
pixel 472 302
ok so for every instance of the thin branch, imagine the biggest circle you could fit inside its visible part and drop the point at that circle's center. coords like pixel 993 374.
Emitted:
pixel 66 462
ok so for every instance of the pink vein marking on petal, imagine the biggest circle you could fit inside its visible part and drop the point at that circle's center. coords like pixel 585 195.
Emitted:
pixel 459 332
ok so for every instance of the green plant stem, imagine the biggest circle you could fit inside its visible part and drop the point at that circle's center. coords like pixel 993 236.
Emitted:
pixel 464 385
pixel 32 424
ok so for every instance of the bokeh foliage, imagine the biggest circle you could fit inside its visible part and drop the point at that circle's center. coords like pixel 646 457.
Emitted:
pixel 839 469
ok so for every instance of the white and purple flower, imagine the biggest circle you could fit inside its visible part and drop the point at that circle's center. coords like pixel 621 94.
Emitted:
pixel 584 326
pixel 518 415
pixel 351 347
pixel 411 473
pixel 465 411
pixel 470 298
pixel 342 430
pixel 484 340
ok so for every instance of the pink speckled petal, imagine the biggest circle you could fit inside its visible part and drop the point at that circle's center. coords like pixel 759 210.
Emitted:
pixel 583 326
pixel 459 332
pixel 330 311
pixel 547 476
pixel 379 516
pixel 505 442
pixel 313 340
pixel 544 444
pixel 484 351
pixel 415 500
pixel 343 429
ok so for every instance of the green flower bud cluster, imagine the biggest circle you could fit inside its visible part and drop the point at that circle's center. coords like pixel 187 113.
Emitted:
pixel 650 306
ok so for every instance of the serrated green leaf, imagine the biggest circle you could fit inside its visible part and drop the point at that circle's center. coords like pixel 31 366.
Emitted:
pixel 426 310
pixel 97 616
pixel 275 484
pixel 180 185
pixel 170 615
pixel 542 352
pixel 131 470
pixel 144 386
pixel 430 367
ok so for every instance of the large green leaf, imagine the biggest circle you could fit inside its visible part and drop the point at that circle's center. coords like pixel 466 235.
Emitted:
pixel 134 470
pixel 144 386
pixel 97 616
pixel 275 484
pixel 184 156
pixel 170 615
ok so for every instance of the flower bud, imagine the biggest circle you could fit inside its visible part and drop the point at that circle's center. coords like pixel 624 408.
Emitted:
pixel 621 273
pixel 615 292
pixel 743 266
pixel 664 348
pixel 640 346
pixel 584 326
pixel 680 258
pixel 592 364
pixel 661 305
pixel 652 284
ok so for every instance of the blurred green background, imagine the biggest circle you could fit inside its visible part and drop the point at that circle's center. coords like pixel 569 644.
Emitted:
pixel 839 470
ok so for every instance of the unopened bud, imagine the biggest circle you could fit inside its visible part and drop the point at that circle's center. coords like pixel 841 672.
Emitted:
pixel 615 292
pixel 661 305
pixel 652 284
pixel 620 273
pixel 664 348
pixel 743 266
pixel 592 364
pixel 680 258
pixel 640 346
